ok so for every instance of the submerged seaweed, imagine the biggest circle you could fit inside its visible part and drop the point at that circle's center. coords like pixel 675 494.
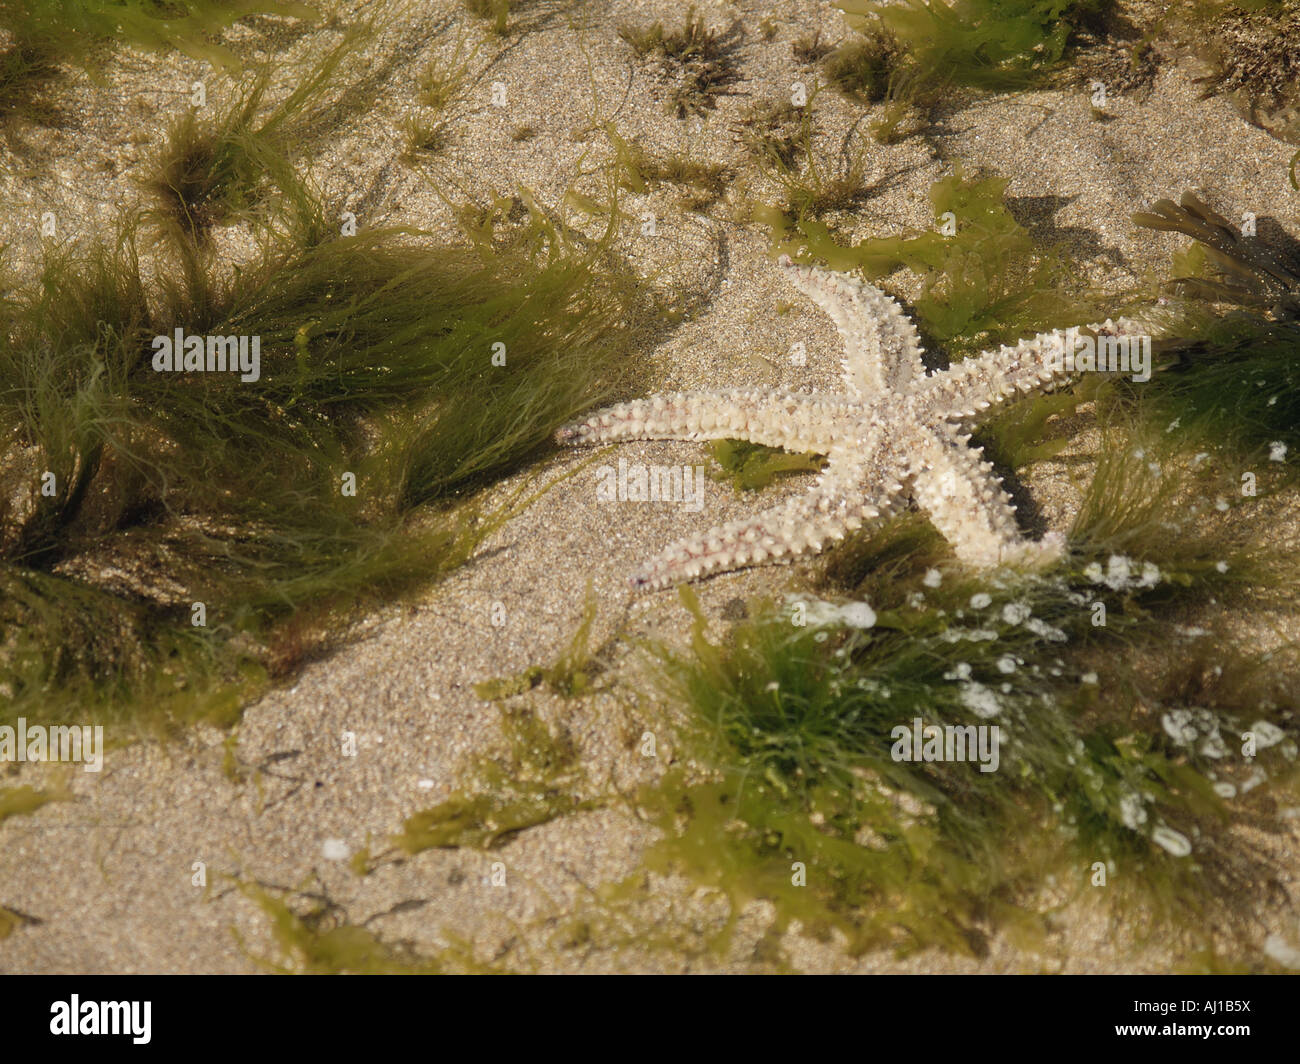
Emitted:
pixel 1111 755
pixel 37 37
pixel 1232 378
pixel 703 60
pixel 986 281
pixel 175 519
pixel 982 43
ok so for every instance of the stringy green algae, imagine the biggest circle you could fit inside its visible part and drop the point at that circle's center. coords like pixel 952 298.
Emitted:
pixel 170 489
pixel 538 779
pixel 795 724
pixel 987 282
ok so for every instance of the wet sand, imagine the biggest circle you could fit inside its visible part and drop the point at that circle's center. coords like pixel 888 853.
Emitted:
pixel 109 874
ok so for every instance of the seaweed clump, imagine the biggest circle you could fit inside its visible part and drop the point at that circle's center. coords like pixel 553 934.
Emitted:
pixel 538 780
pixel 311 934
pixel 907 55
pixel 1111 757
pixel 700 183
pixel 861 67
pixel 1233 347
pixel 775 133
pixel 38 36
pixel 495 11
pixel 703 60
pixel 779 137
pixel 1252 51
pixel 751 466
pixel 986 281
pixel 990 44
pixel 165 531
pixel 571 675
pixel 220 170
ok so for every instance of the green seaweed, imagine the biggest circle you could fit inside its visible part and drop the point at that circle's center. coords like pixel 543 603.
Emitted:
pixel 1231 384
pixel 380 393
pixel 42 35
pixel 861 67
pixel 497 11
pixel 314 937
pixel 810 49
pixel 482 820
pixel 702 184
pixel 990 44
pixel 423 136
pixel 779 137
pixel 704 60
pixel 215 170
pixel 751 466
pixel 905 57
pixel 1038 429
pixel 441 87
pixel 776 133
pixel 569 676
pixel 19 801
pixel 538 780
pixel 796 724
pixel 1230 378
pixel 989 282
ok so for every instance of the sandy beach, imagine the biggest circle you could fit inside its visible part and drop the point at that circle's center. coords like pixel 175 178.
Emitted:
pixel 140 870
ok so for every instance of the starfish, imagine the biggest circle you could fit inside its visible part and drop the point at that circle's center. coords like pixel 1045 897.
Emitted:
pixel 895 433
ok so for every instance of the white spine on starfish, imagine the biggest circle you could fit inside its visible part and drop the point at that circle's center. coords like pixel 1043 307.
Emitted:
pixel 882 352
pixel 835 507
pixel 975 385
pixel 965 501
pixel 789 420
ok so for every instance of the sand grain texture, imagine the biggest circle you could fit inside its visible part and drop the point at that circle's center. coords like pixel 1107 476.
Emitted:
pixel 109 874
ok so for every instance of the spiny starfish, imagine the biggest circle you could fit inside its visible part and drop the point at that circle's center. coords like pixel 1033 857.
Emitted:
pixel 894 432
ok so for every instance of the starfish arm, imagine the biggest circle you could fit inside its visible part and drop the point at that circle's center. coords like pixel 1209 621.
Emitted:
pixel 831 510
pixel 966 503
pixel 882 352
pixel 776 419
pixel 972 387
